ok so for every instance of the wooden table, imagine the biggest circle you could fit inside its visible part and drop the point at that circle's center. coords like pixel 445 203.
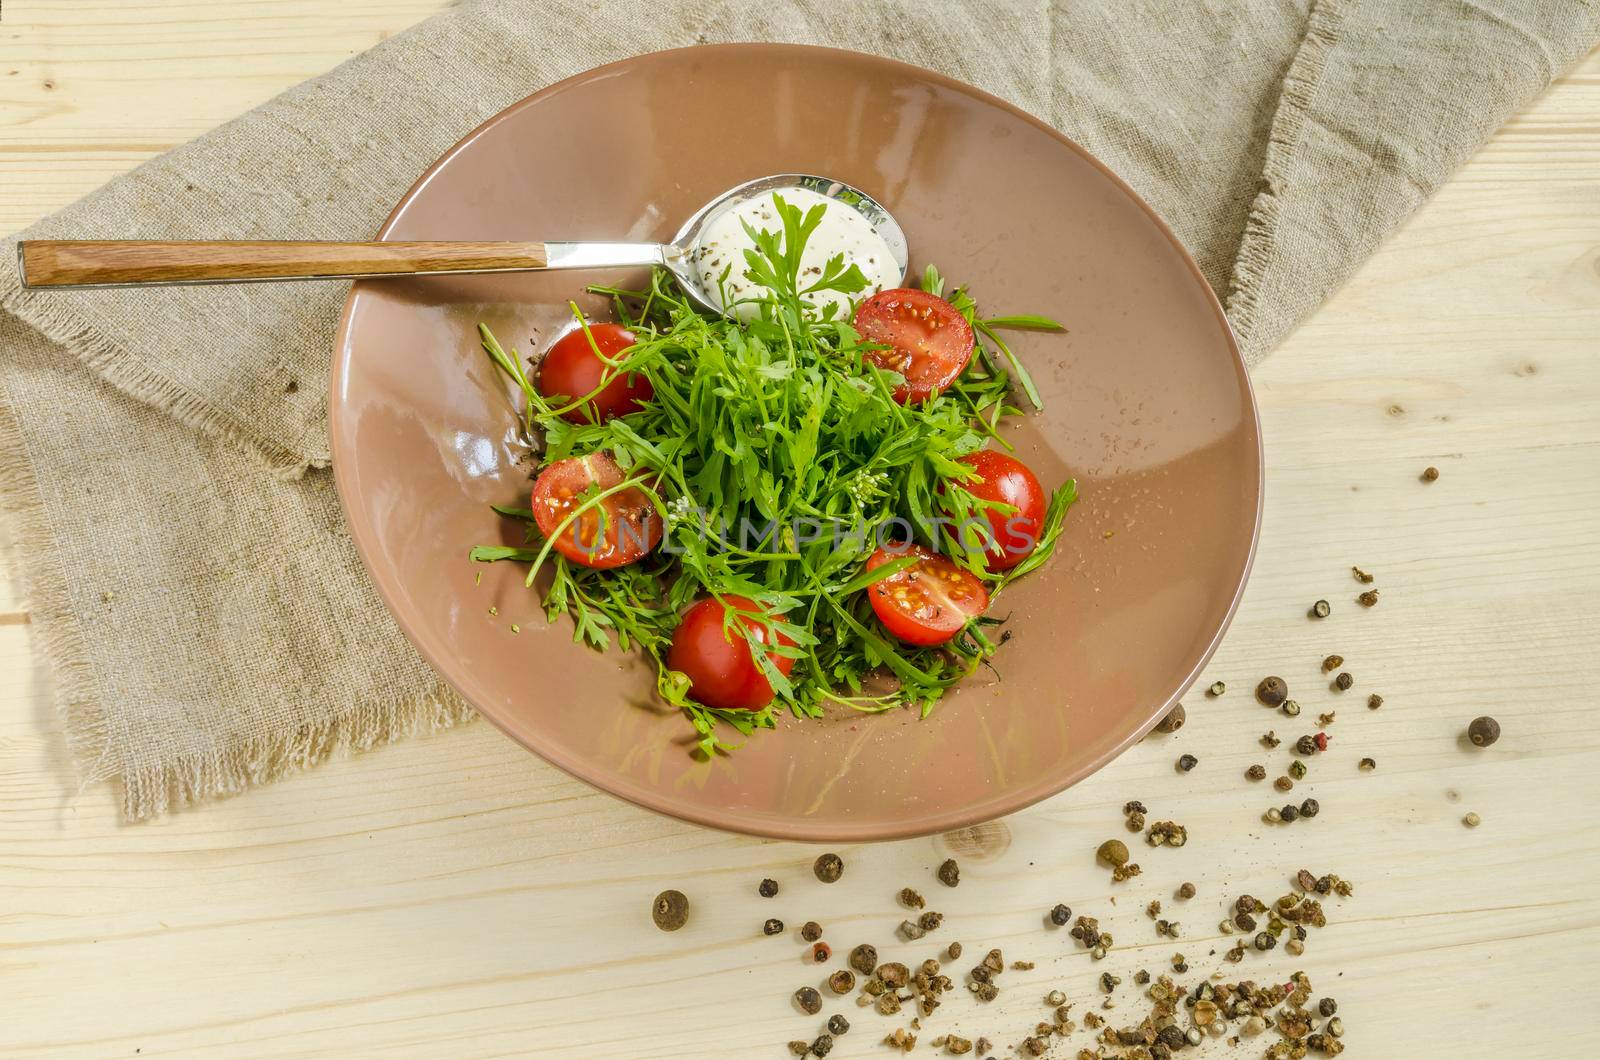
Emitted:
pixel 455 896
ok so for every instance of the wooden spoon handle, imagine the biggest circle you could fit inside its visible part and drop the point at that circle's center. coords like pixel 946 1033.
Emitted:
pixel 92 263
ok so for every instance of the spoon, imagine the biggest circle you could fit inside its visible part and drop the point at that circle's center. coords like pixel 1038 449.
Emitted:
pixel 47 263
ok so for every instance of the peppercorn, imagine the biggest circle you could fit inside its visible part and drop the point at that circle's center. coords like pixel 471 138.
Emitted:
pixel 1283 784
pixel 930 921
pixel 670 910
pixel 842 982
pixel 823 1045
pixel 1430 474
pixel 838 1025
pixel 1171 1036
pixel 1306 745
pixel 1187 762
pixel 952 951
pixel 768 888
pixel 1244 921
pixel 1217 688
pixel 811 931
pixel 829 867
pixel 1343 681
pixel 773 926
pixel 1320 609
pixel 1321 739
pixel 1472 820
pixel 799 1048
pixel 1290 708
pixel 1244 904
pixel 1113 852
pixel 1289 812
pixel 1186 890
pixel 820 952
pixel 1332 663
pixel 1367 765
pixel 1327 1006
pixel 1256 772
pixel 864 958
pixel 894 974
pixel 1483 731
pixel 1272 691
pixel 1060 914
pixel 1265 941
pixel 1310 808
pixel 1374 701
pixel 1368 598
pixel 1173 721
pixel 809 1000
pixel 1273 815
pixel 950 873
pixel 1297 769
pixel 957 1045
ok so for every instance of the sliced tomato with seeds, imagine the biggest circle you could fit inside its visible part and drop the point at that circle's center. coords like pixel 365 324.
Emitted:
pixel 623 527
pixel 722 670
pixel 1007 480
pixel 570 370
pixel 929 341
pixel 928 602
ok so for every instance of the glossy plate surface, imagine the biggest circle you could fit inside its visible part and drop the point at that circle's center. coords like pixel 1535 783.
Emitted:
pixel 1147 404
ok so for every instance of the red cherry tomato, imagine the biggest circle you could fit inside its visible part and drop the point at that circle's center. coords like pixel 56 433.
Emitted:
pixel 930 342
pixel 570 370
pixel 1007 480
pixel 721 670
pixel 618 530
pixel 929 601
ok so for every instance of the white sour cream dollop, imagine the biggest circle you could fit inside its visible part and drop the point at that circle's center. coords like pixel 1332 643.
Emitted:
pixel 842 231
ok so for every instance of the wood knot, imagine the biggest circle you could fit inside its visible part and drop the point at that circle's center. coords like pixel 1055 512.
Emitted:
pixel 981 842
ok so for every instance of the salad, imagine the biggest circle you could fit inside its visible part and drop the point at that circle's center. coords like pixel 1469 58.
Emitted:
pixel 808 506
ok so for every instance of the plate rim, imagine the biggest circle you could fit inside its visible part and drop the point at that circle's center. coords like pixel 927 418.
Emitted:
pixel 801 829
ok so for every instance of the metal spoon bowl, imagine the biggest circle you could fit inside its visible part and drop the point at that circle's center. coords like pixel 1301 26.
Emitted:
pixel 142 263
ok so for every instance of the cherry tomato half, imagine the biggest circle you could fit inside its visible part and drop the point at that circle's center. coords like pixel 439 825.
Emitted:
pixel 618 530
pixel 930 342
pixel 571 370
pixel 929 601
pixel 1007 480
pixel 721 670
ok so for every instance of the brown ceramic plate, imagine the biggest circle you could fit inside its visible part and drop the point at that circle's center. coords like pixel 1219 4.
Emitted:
pixel 1147 405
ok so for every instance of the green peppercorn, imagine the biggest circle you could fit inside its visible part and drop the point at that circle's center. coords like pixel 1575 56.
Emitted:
pixel 773 926
pixel 1332 663
pixel 1113 852
pixel 1264 941
pixel 1272 691
pixel 829 867
pixel 1291 708
pixel 1217 688
pixel 768 888
pixel 1297 769
pixel 799 1048
pixel 670 910
pixel 1368 765
pixel 1483 731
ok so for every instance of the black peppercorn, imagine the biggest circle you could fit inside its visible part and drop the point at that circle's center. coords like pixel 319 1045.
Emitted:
pixel 1245 921
pixel 773 926
pixel 1187 762
pixel 949 872
pixel 1343 681
pixel 1320 609
pixel 823 1045
pixel 930 921
pixel 864 958
pixel 1310 808
pixel 1306 745
pixel 1172 1037
pixel 1256 772
pixel 1245 904
pixel 768 888
pixel 1272 691
pixel 811 931
pixel 829 868
pixel 1060 915
pixel 809 1000
pixel 1483 731
pixel 1264 940
pixel 1327 1006
pixel 1289 812
pixel 1374 701
pixel 670 910
pixel 838 1025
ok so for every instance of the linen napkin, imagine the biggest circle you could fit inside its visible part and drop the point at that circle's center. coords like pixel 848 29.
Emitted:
pixel 164 455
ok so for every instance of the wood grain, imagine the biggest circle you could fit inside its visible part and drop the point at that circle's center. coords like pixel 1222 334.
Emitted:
pixel 456 897
pixel 97 262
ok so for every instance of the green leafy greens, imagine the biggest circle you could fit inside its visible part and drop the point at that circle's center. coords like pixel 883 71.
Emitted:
pixel 773 451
